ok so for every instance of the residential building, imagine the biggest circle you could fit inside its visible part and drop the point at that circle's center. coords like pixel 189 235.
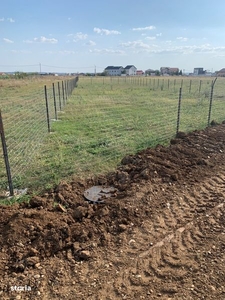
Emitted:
pixel 169 71
pixel 164 70
pixel 221 73
pixel 130 70
pixel 151 72
pixel 173 71
pixel 199 71
pixel 114 70
pixel 140 73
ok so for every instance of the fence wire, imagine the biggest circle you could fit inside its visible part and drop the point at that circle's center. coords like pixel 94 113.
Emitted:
pixel 23 106
pixel 108 118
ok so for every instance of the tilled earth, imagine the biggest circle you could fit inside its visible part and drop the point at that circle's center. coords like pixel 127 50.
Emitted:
pixel 161 235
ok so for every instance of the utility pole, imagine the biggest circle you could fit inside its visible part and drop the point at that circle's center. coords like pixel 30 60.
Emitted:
pixel 40 67
pixel 95 70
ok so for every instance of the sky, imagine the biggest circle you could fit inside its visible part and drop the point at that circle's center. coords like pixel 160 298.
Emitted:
pixel 89 35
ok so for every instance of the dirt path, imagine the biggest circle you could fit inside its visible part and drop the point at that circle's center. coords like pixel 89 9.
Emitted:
pixel 161 237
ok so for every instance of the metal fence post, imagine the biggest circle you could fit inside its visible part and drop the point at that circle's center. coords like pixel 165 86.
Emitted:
pixel 63 93
pixel 190 86
pixel 178 111
pixel 181 83
pixel 5 153
pixel 69 87
pixel 66 90
pixel 200 85
pixel 53 88
pixel 211 99
pixel 60 105
pixel 47 110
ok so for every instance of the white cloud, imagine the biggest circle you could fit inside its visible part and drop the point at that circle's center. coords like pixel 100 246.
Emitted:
pixel 144 28
pixel 139 47
pixel 182 39
pixel 2 19
pixel 159 34
pixel 8 41
pixel 81 36
pixel 91 43
pixel 136 45
pixel 206 48
pixel 77 36
pixel 11 20
pixel 41 39
pixel 107 51
pixel 106 31
pixel 168 48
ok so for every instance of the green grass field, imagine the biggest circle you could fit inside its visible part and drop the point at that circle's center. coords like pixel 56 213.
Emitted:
pixel 104 119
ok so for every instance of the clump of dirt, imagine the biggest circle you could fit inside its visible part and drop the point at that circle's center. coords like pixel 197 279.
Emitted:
pixel 161 235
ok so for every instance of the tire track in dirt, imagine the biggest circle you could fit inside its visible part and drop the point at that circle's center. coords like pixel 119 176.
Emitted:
pixel 173 253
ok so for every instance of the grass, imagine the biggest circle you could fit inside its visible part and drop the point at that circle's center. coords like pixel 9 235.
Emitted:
pixel 106 119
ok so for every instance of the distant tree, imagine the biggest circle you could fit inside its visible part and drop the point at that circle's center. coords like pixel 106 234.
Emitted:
pixel 102 74
pixel 157 73
pixel 180 73
pixel 20 75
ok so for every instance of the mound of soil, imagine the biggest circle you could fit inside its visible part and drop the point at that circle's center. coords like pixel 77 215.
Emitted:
pixel 161 235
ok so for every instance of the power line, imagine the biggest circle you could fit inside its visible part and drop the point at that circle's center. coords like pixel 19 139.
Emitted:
pixel 40 65
pixel 14 66
pixel 75 67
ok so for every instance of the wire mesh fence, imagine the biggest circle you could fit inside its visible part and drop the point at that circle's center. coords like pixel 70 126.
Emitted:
pixel 106 119
pixel 27 110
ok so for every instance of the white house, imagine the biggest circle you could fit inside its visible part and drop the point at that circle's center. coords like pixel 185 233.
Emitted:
pixel 114 71
pixel 130 70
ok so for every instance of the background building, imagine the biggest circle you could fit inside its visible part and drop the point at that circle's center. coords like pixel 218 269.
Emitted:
pixel 114 70
pixel 199 71
pixel 130 70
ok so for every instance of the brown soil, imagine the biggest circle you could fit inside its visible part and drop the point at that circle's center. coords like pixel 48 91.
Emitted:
pixel 162 235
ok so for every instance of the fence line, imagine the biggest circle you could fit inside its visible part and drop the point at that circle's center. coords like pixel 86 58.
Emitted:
pixel 25 127
pixel 148 110
pixel 119 115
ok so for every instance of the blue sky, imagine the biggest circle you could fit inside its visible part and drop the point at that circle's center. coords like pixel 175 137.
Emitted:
pixel 79 36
